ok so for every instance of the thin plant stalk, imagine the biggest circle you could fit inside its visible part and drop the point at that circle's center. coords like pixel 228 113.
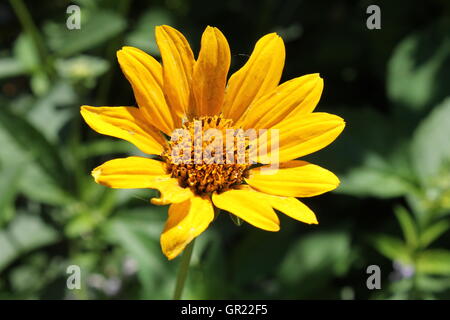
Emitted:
pixel 183 271
pixel 28 25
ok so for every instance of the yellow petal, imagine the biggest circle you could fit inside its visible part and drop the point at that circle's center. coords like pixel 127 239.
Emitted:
pixel 139 172
pixel 260 75
pixel 290 206
pixel 145 76
pixel 250 206
pixel 178 61
pixel 131 172
pixel 126 123
pixel 293 208
pixel 210 74
pixel 186 221
pixel 300 136
pixel 293 179
pixel 293 97
pixel 170 192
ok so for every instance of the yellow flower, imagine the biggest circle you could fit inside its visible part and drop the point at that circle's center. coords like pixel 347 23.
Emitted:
pixel 185 92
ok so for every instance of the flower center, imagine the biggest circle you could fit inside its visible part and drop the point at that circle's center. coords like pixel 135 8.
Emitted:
pixel 207 155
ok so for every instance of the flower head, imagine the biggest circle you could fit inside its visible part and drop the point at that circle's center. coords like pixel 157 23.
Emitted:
pixel 230 144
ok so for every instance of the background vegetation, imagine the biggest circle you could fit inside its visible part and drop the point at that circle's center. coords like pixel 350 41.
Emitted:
pixel 392 209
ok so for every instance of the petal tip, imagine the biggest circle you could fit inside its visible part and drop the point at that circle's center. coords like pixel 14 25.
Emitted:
pixel 123 50
pixel 313 220
pixel 120 53
pixel 86 111
pixel 275 228
pixel 170 254
pixel 164 27
pixel 159 201
pixel 96 173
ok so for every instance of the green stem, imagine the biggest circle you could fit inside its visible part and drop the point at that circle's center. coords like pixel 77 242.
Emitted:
pixel 123 8
pixel 183 271
pixel 29 26
pixel 414 293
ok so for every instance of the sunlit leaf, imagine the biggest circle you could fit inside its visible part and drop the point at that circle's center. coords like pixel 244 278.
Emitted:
pixel 434 261
pixel 432 284
pixel 392 248
pixel 31 141
pixel 408 226
pixel 24 233
pixel 138 231
pixel 430 146
pixel 418 74
pixel 313 260
pixel 370 157
pixel 9 184
pixel 143 36
pixel 96 28
pixel 26 53
pixel 11 67
pixel 40 83
pixel 378 182
pixel 433 232
pixel 56 105
pixel 82 69
pixel 102 147
pixel 39 186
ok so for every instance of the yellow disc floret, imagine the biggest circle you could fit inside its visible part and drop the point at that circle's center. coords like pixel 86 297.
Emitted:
pixel 210 163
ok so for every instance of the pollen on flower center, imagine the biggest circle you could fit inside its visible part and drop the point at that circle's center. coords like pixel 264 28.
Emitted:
pixel 206 161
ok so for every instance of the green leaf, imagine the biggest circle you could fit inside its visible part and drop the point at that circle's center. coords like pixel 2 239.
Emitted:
pixel 11 67
pixel 142 36
pixel 82 223
pixel 430 146
pixel 138 231
pixel 408 226
pixel 317 255
pixel 9 184
pixel 433 232
pixel 11 154
pixel 379 163
pixel 40 187
pixel 33 182
pixel 82 68
pixel 434 261
pixel 432 284
pixel 40 83
pixel 392 248
pixel 96 28
pixel 102 147
pixel 34 144
pixel 418 74
pixel 26 278
pixel 377 182
pixel 207 259
pixel 24 233
pixel 256 247
pixel 57 105
pixel 26 53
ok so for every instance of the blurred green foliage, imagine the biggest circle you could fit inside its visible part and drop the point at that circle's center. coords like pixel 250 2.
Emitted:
pixel 392 209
